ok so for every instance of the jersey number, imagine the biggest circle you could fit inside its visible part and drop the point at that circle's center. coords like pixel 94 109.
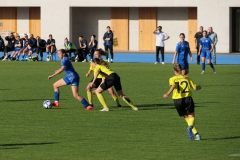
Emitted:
pixel 178 87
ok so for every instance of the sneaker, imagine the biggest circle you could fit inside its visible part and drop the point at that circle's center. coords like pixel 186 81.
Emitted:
pixel 27 59
pixel 55 104
pixel 4 59
pixel 198 137
pixel 22 59
pixel 203 72
pixel 90 107
pixel 111 60
pixel 76 58
pixel 190 134
pixel 108 59
pixel 156 63
pixel 198 62
pixel 163 63
pixel 84 60
pixel 105 109
pixel 214 71
pixel 135 109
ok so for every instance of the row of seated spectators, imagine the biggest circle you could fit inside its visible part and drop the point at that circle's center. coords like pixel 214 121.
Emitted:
pixel 22 49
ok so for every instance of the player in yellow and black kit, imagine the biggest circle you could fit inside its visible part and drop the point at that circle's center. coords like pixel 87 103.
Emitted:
pixel 181 86
pixel 98 53
pixel 111 79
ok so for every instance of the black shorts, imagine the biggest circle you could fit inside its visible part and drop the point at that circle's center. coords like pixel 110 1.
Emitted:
pixel 112 80
pixel 184 106
pixel 8 49
pixel 97 82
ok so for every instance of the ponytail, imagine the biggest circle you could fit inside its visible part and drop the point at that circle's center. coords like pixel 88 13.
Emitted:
pixel 102 52
pixel 177 67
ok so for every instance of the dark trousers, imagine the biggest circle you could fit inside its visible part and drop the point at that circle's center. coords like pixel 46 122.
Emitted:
pixel 7 49
pixel 157 53
pixel 82 54
pixel 198 56
pixel 110 48
pixel 91 52
pixel 40 51
pixel 69 52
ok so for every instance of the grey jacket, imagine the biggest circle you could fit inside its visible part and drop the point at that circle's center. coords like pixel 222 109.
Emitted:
pixel 213 37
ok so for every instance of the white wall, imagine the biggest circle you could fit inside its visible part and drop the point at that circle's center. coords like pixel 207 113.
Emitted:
pixel 23 20
pixel 88 21
pixel 55 19
pixel 133 29
pixel 173 21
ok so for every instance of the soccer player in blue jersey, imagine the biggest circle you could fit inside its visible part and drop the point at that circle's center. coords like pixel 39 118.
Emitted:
pixel 183 50
pixel 72 78
pixel 206 47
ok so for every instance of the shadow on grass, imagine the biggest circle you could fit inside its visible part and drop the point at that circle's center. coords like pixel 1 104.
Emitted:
pixel 19 145
pixel 223 138
pixel 151 106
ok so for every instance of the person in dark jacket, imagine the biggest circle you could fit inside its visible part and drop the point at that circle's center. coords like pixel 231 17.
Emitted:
pixel 108 43
pixel 2 44
pixel 32 47
pixel 41 47
pixel 10 46
pixel 18 44
pixel 92 45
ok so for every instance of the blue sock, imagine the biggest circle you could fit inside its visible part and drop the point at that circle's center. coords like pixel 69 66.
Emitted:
pixel 17 57
pixel 47 53
pixel 51 53
pixel 56 96
pixel 85 103
pixel 203 66
pixel 211 65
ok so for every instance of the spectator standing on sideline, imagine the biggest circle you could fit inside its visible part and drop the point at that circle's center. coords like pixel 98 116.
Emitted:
pixel 83 49
pixel 92 46
pixel 108 43
pixel 160 38
pixel 50 47
pixel 197 37
pixel 2 44
pixel 10 46
pixel 214 39
pixel 69 47
pixel 41 47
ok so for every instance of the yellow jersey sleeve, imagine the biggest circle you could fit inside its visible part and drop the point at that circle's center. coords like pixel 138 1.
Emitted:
pixel 103 70
pixel 94 71
pixel 182 85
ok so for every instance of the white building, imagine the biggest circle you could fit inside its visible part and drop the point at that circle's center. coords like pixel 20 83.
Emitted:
pixel 132 21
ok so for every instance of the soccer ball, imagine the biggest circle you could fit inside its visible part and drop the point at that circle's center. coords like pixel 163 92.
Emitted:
pixel 47 104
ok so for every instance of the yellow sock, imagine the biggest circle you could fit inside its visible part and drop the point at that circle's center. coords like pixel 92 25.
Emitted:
pixel 115 98
pixel 186 119
pixel 89 96
pixel 128 101
pixel 102 101
pixel 191 123
pixel 194 130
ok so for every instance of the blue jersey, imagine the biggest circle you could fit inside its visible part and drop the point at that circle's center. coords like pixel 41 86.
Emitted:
pixel 69 70
pixel 182 49
pixel 205 43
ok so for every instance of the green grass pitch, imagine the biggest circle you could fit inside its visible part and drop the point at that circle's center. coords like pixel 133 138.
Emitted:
pixel 28 131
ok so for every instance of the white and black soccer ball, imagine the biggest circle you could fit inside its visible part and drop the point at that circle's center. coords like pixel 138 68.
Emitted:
pixel 47 104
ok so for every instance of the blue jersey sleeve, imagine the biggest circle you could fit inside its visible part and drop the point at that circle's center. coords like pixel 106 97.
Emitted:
pixel 177 48
pixel 65 62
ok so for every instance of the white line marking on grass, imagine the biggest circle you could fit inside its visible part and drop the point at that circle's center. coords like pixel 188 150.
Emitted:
pixel 235 155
